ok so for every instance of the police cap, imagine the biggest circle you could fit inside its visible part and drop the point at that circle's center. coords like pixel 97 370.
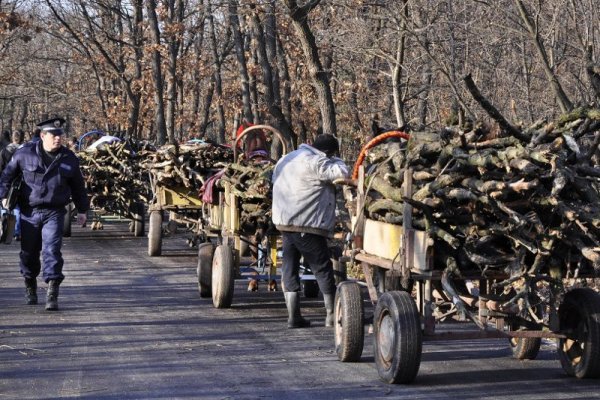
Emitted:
pixel 53 126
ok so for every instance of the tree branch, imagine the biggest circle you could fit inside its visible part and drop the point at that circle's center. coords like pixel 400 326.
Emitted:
pixel 493 111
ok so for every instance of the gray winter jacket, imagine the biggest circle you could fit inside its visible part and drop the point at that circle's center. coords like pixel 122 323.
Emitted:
pixel 303 192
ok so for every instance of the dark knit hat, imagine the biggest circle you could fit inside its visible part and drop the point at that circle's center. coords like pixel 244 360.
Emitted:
pixel 326 143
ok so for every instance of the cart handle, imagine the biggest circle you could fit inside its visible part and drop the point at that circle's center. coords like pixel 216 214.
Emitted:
pixel 254 127
pixel 372 143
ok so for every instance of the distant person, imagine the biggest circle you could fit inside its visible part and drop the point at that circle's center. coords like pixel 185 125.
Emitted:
pixel 72 144
pixel 5 156
pixel 51 178
pixel 35 137
pixel 4 139
pixel 7 153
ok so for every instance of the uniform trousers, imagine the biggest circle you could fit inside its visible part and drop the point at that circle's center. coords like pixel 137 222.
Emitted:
pixel 42 231
pixel 315 251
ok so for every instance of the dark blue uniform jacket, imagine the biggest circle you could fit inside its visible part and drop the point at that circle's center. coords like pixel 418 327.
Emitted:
pixel 46 188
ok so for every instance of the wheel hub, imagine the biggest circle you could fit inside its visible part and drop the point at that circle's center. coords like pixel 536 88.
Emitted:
pixel 387 338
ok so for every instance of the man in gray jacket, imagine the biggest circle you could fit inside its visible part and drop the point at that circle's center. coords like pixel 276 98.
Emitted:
pixel 304 212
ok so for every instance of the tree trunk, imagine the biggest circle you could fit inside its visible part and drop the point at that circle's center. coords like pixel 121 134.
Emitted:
pixel 320 78
pixel 561 97
pixel 238 41
pixel 218 88
pixel 161 126
pixel 267 74
pixel 175 18
pixel 286 89
pixel 397 69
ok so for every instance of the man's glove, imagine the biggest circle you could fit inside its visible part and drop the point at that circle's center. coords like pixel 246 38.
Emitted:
pixel 5 203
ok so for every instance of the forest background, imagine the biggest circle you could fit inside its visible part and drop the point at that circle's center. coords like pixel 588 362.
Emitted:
pixel 170 70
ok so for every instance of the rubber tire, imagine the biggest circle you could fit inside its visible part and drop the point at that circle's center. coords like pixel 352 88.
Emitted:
pixel 155 234
pixel 204 269
pixel 348 325
pixel 222 277
pixel 310 289
pixel 525 348
pixel 398 340
pixel 138 220
pixel 68 219
pixel 579 314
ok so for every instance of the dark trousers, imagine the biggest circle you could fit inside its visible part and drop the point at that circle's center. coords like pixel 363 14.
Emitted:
pixel 315 251
pixel 42 231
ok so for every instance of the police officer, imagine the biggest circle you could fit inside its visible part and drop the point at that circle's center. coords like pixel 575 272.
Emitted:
pixel 51 177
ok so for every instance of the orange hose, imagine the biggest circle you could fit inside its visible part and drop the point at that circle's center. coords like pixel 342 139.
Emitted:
pixel 372 143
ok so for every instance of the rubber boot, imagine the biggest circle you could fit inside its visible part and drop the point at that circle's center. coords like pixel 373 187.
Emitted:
pixel 52 296
pixel 329 300
pixel 292 302
pixel 31 291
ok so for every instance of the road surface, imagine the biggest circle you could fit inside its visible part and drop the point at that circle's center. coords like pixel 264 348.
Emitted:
pixel 134 327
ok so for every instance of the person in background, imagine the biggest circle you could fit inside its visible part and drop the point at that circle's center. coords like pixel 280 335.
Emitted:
pixel 254 143
pixel 5 156
pixel 35 137
pixel 304 213
pixel 51 178
pixel 4 139
pixel 72 144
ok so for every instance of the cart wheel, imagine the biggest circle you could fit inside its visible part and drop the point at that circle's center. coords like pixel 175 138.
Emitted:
pixel 310 288
pixel 525 348
pixel 68 218
pixel 138 220
pixel 398 338
pixel 222 277
pixel 155 234
pixel 579 353
pixel 204 270
pixel 349 322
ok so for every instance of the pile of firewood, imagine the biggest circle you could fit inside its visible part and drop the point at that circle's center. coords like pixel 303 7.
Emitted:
pixel 114 178
pixel 185 165
pixel 250 182
pixel 526 201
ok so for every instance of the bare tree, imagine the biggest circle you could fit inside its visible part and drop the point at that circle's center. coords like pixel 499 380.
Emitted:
pixel 532 28
pixel 319 77
pixel 161 125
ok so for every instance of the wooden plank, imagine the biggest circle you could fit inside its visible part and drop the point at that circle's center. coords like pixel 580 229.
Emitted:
pixel 385 240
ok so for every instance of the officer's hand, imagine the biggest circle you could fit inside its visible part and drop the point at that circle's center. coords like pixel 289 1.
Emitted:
pixel 81 219
pixel 5 203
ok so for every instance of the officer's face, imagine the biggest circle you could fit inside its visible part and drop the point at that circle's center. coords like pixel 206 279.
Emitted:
pixel 51 142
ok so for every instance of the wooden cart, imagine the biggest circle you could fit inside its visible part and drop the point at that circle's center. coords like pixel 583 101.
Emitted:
pixel 219 257
pixel 411 295
pixel 184 207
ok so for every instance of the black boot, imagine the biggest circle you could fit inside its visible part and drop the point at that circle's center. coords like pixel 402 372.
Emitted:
pixel 52 296
pixel 292 302
pixel 329 300
pixel 31 291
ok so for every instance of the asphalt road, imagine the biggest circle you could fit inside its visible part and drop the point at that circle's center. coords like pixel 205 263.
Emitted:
pixel 134 327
